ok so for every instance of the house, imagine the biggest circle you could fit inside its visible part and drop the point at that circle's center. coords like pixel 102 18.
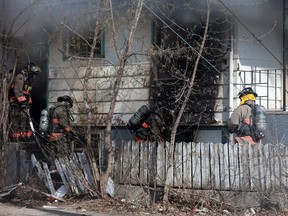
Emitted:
pixel 246 46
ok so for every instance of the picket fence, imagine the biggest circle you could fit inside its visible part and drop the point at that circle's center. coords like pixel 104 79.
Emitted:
pixel 235 167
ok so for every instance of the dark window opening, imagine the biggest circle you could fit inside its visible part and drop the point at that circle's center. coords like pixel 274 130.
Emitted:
pixel 174 63
pixel 79 43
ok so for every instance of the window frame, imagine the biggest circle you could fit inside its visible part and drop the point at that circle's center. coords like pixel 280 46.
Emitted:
pixel 66 46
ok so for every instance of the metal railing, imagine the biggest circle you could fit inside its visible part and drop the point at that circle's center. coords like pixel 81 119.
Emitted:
pixel 267 83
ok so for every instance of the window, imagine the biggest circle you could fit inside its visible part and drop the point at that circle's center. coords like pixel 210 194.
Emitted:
pixel 78 42
pixel 267 84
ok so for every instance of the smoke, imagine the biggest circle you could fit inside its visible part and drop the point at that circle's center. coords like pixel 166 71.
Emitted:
pixel 249 10
pixel 190 11
pixel 32 23
pixel 250 3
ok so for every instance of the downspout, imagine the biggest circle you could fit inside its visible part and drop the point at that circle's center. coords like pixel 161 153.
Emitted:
pixel 284 55
pixel 231 86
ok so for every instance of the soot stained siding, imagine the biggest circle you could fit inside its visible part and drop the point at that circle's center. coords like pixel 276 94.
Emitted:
pixel 174 64
pixel 199 109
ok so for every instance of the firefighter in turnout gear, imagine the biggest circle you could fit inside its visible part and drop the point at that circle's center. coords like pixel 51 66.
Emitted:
pixel 151 125
pixel 241 122
pixel 60 130
pixel 20 102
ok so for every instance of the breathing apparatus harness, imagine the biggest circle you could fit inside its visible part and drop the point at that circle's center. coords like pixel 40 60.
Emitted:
pixel 254 125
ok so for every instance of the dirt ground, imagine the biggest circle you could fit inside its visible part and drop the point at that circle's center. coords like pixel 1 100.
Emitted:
pixel 25 201
pixel 82 208
pixel 32 204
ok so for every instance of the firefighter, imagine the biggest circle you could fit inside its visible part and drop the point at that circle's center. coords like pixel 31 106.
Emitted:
pixel 151 125
pixel 150 129
pixel 20 102
pixel 241 121
pixel 60 130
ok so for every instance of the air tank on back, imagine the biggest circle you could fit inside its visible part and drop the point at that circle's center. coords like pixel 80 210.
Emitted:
pixel 138 118
pixel 44 121
pixel 260 118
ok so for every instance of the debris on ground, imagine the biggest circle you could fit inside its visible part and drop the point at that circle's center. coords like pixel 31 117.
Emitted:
pixel 26 196
pixel 7 190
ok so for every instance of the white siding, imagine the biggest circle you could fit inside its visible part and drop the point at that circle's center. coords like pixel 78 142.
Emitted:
pixel 133 93
pixel 258 47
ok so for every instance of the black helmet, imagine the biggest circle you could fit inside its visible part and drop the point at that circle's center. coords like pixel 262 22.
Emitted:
pixel 246 91
pixel 65 98
pixel 32 67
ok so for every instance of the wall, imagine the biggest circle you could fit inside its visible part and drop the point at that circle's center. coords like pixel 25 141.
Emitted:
pixel 277 123
pixel 67 76
pixel 132 95
pixel 265 22
pixel 258 47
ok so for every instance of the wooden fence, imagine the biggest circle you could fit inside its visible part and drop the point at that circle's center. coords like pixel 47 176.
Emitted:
pixel 234 167
pixel 224 167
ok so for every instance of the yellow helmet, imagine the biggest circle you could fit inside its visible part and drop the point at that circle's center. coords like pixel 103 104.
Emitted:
pixel 246 91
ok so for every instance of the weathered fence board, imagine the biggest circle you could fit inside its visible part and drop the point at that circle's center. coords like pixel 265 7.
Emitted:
pixel 177 177
pixel 67 170
pixel 144 163
pixel 254 170
pixel 152 162
pixel 169 163
pixel 135 164
pixel 225 167
pixel 83 160
pixel 48 178
pixel 205 166
pixel 267 167
pixel 284 173
pixel 76 170
pixel 233 167
pixel 215 166
pixel 260 162
pixel 243 168
pixel 116 175
pixel 187 165
pixel 276 167
pixel 161 164
pixel 196 166
pixel 61 173
pixel 126 163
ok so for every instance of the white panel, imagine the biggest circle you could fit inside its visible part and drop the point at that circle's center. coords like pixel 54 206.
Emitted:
pixel 78 72
pixel 207 136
